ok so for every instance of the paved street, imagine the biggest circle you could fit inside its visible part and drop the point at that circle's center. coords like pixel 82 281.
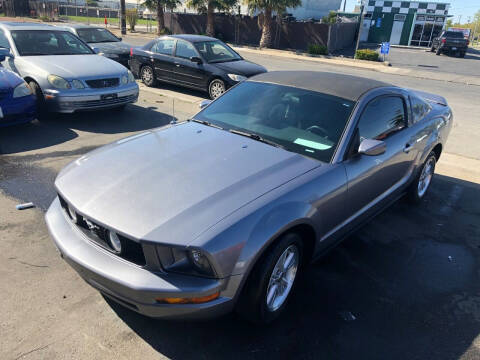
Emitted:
pixel 410 277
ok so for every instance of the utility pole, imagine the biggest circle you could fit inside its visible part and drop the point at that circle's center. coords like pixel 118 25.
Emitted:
pixel 123 20
pixel 362 6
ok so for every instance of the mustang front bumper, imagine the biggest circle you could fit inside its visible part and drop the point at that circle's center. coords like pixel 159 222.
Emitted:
pixel 71 100
pixel 131 285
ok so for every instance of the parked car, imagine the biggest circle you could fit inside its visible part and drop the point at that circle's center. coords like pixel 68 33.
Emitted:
pixel 198 218
pixel 450 42
pixel 64 73
pixel 17 102
pixel 108 44
pixel 194 61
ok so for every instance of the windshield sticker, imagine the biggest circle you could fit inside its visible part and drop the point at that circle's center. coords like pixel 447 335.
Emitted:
pixel 312 144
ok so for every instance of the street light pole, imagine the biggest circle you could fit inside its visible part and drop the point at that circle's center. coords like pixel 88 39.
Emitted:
pixel 123 21
pixel 359 28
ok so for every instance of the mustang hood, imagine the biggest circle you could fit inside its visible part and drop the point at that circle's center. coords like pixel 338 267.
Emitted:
pixel 8 79
pixel 169 185
pixel 241 67
pixel 76 66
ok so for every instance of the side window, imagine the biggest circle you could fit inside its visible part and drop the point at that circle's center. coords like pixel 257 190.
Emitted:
pixel 419 108
pixel 185 50
pixel 382 117
pixel 3 40
pixel 164 47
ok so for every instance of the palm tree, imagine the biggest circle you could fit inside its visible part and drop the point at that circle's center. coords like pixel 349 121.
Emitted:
pixel 160 6
pixel 267 7
pixel 209 7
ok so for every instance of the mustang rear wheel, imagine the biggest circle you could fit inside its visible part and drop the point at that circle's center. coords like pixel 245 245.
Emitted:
pixel 148 75
pixel 420 185
pixel 272 281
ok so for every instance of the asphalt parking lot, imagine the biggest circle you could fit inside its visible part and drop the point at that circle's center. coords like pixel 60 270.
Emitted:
pixel 409 278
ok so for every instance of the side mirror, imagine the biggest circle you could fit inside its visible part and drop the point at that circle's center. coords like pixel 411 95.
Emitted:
pixel 96 50
pixel 372 147
pixel 196 59
pixel 119 38
pixel 204 103
pixel 4 53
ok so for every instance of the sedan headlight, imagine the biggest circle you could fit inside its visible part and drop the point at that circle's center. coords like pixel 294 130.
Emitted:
pixel 185 261
pixel 124 79
pixel 58 82
pixel 236 77
pixel 22 90
pixel 131 78
pixel 77 84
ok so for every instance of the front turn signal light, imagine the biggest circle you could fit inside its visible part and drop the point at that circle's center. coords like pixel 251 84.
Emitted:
pixel 194 300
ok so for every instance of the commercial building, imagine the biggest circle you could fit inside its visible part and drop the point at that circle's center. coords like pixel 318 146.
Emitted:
pixel 413 23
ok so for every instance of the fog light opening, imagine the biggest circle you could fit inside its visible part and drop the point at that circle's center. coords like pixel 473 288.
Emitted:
pixel 194 300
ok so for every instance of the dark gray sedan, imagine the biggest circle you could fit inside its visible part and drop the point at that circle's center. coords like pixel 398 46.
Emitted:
pixel 222 212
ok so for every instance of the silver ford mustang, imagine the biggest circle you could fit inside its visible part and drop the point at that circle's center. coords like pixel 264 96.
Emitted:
pixel 221 212
pixel 64 72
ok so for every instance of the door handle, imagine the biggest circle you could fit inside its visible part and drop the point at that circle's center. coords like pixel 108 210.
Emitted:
pixel 407 148
pixel 177 64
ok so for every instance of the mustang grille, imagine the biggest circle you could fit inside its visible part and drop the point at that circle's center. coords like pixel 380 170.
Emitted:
pixel 103 83
pixel 131 250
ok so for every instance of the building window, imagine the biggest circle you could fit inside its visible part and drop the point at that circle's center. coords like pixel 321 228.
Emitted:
pixel 440 6
pixel 422 5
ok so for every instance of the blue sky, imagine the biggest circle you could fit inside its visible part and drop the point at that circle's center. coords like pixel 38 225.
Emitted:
pixel 465 8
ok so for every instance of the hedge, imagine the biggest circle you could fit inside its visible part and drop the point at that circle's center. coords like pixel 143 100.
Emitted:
pixel 366 54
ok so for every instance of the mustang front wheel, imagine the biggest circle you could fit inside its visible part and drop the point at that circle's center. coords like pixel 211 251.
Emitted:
pixel 272 280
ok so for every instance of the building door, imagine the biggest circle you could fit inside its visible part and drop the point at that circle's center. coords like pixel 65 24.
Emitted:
pixel 397 28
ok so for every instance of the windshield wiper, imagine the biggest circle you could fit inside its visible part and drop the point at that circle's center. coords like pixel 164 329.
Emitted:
pixel 256 137
pixel 204 122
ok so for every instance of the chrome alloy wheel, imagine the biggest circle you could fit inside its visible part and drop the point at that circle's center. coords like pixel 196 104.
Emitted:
pixel 426 177
pixel 282 278
pixel 217 88
pixel 147 75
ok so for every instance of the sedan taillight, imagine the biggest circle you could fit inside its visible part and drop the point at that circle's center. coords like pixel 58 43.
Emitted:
pixel 444 41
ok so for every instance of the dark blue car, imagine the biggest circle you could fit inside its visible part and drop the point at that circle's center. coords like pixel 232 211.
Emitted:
pixel 17 102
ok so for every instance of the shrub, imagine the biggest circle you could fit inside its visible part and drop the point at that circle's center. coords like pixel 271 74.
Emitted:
pixel 366 54
pixel 132 17
pixel 316 49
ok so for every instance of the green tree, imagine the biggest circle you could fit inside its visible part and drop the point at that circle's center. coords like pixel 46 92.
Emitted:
pixel 268 7
pixel 92 3
pixel 331 18
pixel 209 7
pixel 159 6
pixel 449 23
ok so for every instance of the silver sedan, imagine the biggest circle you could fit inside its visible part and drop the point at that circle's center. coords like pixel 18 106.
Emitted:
pixel 64 72
pixel 221 212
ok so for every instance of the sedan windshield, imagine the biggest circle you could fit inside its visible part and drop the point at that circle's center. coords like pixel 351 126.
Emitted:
pixel 48 42
pixel 302 121
pixel 96 35
pixel 216 51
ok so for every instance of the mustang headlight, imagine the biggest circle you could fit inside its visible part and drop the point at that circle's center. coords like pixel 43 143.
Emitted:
pixel 124 79
pixel 58 82
pixel 77 84
pixel 236 77
pixel 22 90
pixel 185 261
pixel 131 78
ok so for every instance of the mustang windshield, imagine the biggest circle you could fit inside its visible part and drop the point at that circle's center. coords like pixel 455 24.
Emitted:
pixel 96 35
pixel 48 42
pixel 302 121
pixel 216 51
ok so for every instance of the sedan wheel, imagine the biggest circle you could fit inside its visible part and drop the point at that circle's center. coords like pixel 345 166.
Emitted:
pixel 272 280
pixel 216 88
pixel 148 76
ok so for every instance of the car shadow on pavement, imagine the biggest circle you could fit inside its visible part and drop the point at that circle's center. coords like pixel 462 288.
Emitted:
pixel 59 128
pixel 404 286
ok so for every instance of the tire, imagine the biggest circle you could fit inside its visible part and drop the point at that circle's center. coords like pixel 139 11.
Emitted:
pixel 216 88
pixel 438 51
pixel 417 191
pixel 40 100
pixel 255 304
pixel 432 49
pixel 147 74
pixel 462 54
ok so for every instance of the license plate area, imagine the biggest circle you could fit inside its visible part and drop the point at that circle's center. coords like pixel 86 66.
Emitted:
pixel 108 96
